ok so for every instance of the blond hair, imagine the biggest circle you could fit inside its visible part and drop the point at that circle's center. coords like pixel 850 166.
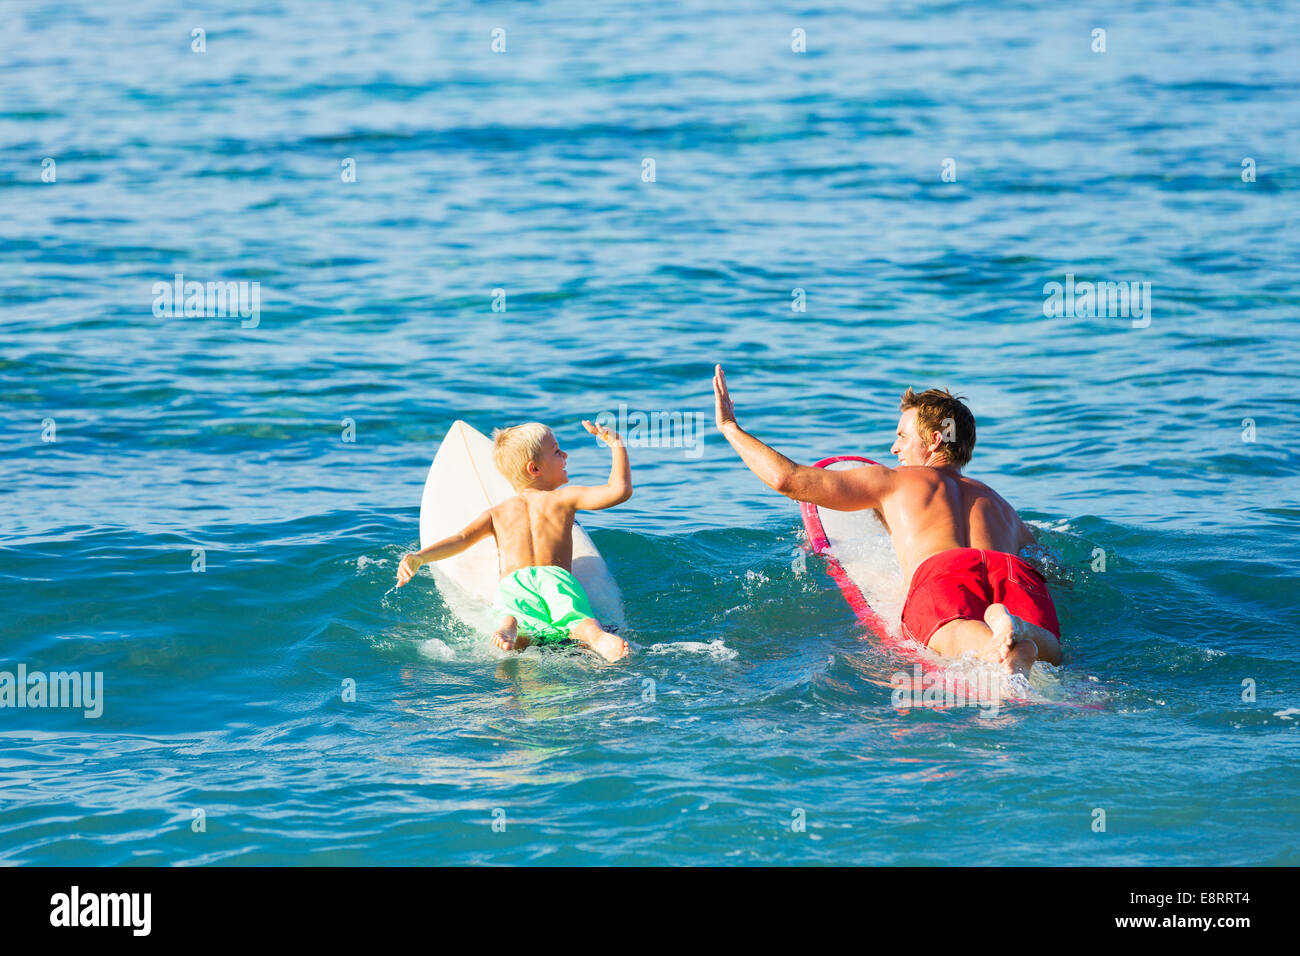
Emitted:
pixel 514 447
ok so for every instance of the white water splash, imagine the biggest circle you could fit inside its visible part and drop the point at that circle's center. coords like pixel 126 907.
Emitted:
pixel 436 649
pixel 715 649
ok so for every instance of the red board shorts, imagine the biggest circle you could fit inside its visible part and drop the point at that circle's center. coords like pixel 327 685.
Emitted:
pixel 963 582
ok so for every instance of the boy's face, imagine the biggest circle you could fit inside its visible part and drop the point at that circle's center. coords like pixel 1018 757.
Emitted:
pixel 548 469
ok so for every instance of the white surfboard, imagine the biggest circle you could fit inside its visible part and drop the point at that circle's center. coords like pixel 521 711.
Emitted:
pixel 462 483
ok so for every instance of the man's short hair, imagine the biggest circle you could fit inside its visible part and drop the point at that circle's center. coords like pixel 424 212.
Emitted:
pixel 514 447
pixel 938 410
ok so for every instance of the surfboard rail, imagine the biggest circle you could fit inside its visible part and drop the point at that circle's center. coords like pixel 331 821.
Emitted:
pixel 821 545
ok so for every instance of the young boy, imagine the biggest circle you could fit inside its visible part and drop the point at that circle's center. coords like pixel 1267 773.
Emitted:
pixel 538 596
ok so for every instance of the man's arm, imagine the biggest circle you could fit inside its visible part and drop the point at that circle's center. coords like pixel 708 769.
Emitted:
pixel 851 489
pixel 619 487
pixel 475 531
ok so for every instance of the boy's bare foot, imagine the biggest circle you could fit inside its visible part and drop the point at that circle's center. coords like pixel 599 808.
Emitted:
pixel 508 638
pixel 610 646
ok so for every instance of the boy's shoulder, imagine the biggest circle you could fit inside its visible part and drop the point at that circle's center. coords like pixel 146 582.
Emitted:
pixel 536 498
pixel 506 504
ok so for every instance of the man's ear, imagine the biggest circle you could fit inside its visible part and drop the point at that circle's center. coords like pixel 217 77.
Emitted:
pixel 936 441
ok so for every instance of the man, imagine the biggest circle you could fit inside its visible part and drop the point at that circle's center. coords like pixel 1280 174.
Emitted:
pixel 956 538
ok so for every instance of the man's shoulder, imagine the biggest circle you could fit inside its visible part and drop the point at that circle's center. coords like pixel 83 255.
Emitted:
pixel 928 478
pixel 976 495
pixel 914 475
pixel 974 484
pixel 974 488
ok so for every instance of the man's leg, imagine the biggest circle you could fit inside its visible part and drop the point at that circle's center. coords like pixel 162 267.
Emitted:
pixel 1019 587
pixel 1001 638
pixel 1049 648
pixel 588 633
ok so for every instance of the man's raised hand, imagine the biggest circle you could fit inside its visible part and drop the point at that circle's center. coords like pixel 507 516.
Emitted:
pixel 722 407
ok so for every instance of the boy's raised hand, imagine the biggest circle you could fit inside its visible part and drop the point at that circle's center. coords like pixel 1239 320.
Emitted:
pixel 607 435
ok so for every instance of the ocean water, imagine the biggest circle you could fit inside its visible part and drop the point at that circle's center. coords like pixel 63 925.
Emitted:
pixel 753 724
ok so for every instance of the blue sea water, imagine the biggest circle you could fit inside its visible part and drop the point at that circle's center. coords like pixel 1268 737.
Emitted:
pixel 753 724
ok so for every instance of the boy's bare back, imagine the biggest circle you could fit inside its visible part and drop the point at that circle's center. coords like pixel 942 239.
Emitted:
pixel 534 528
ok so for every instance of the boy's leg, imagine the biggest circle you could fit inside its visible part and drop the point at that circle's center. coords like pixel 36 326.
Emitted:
pixel 588 633
pixel 507 636
pixel 570 611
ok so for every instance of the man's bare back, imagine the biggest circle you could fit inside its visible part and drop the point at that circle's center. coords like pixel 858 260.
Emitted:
pixel 928 510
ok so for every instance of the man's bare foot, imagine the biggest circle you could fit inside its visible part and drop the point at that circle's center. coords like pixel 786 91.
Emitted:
pixel 508 638
pixel 1022 657
pixel 1049 647
pixel 1003 625
pixel 1011 646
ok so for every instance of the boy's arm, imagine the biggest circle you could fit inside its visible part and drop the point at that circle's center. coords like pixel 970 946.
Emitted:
pixel 615 491
pixel 475 531
pixel 851 489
